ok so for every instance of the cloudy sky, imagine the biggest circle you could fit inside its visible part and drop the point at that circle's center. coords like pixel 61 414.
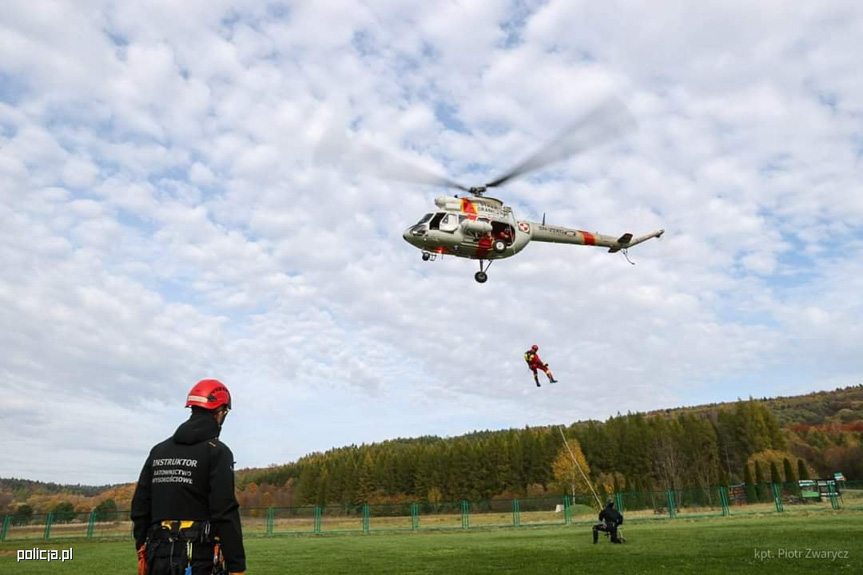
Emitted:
pixel 173 208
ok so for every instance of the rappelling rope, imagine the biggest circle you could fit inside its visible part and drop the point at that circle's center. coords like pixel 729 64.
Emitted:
pixel 577 464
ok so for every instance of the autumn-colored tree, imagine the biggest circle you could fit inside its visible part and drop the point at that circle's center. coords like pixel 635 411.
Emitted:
pixel 6 499
pixel 567 476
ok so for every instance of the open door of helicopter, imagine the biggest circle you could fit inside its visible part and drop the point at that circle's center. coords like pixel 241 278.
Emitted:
pixel 503 231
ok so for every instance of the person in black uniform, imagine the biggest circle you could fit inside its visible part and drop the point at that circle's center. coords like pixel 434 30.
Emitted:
pixel 185 514
pixel 610 520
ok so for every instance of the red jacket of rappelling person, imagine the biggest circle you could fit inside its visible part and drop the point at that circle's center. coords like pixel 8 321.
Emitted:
pixel 534 363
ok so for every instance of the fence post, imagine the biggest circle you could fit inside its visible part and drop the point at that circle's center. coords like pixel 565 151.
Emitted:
pixel 415 516
pixel 91 524
pixel 366 519
pixel 777 497
pixel 567 510
pixel 48 520
pixel 516 513
pixel 6 521
pixel 723 499
pixel 669 501
pixel 834 500
pixel 465 515
pixel 271 517
pixel 317 519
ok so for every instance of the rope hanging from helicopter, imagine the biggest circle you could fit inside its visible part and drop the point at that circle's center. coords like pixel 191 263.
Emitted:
pixel 577 464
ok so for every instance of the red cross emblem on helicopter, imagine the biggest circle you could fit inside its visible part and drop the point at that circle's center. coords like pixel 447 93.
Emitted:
pixel 524 226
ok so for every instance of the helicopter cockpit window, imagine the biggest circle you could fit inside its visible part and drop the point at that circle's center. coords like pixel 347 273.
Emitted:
pixel 436 219
pixel 426 218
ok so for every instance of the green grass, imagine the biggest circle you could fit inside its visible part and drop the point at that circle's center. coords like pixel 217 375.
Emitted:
pixel 667 547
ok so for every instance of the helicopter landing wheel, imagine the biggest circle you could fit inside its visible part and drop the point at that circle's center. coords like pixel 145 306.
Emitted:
pixel 481 276
pixel 426 256
pixel 499 246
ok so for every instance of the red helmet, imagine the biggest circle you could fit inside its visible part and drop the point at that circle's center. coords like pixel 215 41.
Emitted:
pixel 534 347
pixel 209 394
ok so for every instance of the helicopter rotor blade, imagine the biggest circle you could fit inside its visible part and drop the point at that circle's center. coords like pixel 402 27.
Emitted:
pixel 605 122
pixel 356 155
pixel 404 171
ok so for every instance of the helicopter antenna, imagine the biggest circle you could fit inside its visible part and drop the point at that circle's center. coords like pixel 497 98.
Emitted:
pixel 543 218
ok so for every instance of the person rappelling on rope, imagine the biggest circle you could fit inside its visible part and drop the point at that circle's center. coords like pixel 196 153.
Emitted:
pixel 534 363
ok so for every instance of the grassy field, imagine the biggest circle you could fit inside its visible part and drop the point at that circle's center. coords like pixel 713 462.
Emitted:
pixel 714 545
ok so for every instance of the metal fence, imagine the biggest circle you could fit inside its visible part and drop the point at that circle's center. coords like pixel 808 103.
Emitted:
pixel 465 515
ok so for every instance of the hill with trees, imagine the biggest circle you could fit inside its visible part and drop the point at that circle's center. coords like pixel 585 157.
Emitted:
pixel 768 440
pixel 752 441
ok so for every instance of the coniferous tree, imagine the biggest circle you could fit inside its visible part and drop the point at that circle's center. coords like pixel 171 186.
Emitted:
pixel 789 471
pixel 775 478
pixel 751 493
pixel 365 480
pixel 760 486
pixel 106 510
pixel 64 512
pixel 802 470
pixel 23 515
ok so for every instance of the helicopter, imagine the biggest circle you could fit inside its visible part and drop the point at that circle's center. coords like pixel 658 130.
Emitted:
pixel 480 227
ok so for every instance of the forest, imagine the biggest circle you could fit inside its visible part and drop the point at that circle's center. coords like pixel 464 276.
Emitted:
pixel 767 440
pixel 747 441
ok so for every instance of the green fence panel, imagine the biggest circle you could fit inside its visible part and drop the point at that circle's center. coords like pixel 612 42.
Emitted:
pixel 618 501
pixel 816 495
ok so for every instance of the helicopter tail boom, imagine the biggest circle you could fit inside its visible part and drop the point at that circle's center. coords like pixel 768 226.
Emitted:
pixel 561 235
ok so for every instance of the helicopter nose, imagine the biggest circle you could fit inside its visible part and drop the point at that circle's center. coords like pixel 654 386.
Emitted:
pixel 407 235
